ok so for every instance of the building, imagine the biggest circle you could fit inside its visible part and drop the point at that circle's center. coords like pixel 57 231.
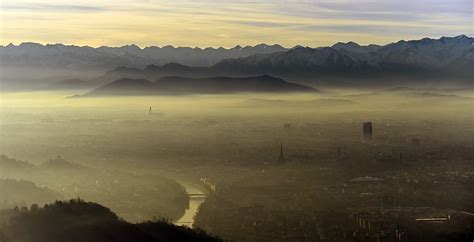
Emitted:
pixel 281 159
pixel 367 131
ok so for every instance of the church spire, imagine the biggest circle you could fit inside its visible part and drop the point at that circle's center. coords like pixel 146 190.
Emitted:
pixel 282 157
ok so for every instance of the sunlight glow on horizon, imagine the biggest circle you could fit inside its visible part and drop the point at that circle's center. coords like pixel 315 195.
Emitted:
pixel 228 23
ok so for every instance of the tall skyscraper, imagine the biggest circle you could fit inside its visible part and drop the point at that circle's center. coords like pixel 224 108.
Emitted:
pixel 367 131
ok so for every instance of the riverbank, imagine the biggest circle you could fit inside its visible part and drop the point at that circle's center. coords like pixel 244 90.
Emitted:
pixel 197 196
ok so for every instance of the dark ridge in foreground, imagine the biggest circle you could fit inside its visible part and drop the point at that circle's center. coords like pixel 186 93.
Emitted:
pixel 211 85
pixel 80 221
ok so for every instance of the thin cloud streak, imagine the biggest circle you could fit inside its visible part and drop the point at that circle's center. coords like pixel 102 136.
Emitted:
pixel 43 7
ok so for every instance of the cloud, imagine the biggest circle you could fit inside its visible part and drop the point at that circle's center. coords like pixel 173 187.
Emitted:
pixel 231 22
pixel 405 6
pixel 34 7
pixel 266 24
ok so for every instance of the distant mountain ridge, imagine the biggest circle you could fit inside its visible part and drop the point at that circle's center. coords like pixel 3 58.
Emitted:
pixel 425 59
pixel 447 55
pixel 447 60
pixel 77 57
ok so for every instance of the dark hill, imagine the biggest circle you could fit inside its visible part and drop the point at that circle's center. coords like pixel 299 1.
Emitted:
pixel 80 221
pixel 60 164
pixel 70 84
pixel 263 83
pixel 8 166
pixel 19 193
pixel 211 85
pixel 437 96
pixel 124 86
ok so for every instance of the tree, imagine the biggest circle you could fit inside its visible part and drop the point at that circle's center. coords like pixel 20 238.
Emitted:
pixel 34 207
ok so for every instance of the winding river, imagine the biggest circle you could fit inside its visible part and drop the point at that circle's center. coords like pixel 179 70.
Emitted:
pixel 197 196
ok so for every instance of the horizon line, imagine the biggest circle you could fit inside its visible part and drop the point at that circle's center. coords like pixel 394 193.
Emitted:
pixel 220 47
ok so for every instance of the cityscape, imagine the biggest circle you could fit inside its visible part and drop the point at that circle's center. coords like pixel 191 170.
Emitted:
pixel 253 121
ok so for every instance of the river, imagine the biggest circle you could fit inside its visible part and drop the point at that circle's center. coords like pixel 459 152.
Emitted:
pixel 197 196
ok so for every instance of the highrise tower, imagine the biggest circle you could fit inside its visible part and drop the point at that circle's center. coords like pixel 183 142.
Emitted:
pixel 367 131
pixel 281 159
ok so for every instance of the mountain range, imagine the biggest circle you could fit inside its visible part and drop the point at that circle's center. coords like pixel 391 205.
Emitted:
pixel 76 57
pixel 426 60
pixel 444 61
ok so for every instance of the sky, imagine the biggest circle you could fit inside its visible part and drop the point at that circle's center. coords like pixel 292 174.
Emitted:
pixel 214 23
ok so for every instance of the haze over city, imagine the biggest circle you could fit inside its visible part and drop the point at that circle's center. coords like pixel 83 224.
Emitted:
pixel 262 120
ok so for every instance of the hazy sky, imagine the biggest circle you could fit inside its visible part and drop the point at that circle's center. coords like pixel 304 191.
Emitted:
pixel 228 23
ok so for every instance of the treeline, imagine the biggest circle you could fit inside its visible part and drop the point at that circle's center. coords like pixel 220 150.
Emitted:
pixel 11 166
pixel 21 193
pixel 78 221
pixel 136 197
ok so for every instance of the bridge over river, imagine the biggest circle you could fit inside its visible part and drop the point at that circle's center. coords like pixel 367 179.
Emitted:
pixel 197 193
